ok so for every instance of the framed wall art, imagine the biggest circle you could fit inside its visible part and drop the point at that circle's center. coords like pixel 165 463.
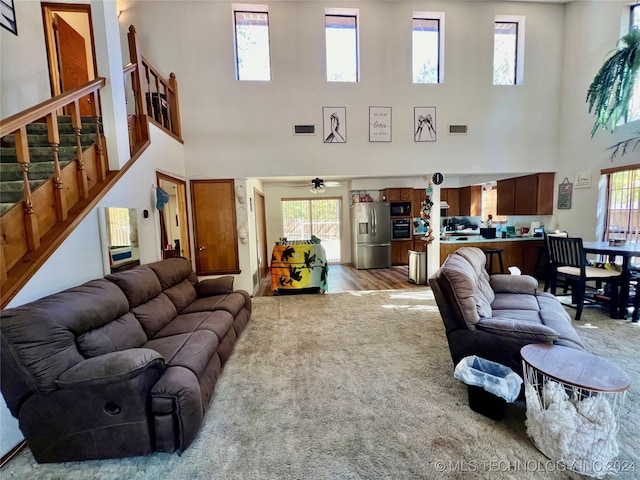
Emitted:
pixel 379 124
pixel 8 16
pixel 424 124
pixel 334 124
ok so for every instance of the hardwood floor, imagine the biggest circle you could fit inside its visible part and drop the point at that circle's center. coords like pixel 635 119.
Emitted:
pixel 345 278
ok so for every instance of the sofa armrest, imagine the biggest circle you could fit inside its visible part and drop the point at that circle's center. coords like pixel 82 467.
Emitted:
pixel 521 329
pixel 112 368
pixel 503 283
pixel 215 286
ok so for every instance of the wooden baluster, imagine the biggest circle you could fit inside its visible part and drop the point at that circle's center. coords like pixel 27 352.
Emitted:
pixel 54 141
pixel 142 124
pixel 160 112
pixel 152 113
pixel 32 229
pixel 174 106
pixel 102 169
pixel 76 122
pixel 3 263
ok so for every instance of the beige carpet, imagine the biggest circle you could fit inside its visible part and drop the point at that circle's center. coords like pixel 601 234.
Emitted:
pixel 357 386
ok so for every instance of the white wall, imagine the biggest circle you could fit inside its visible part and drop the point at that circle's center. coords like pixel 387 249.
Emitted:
pixel 578 153
pixel 244 129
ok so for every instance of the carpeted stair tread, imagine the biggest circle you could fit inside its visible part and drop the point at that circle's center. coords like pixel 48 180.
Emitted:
pixel 42 140
pixel 38 154
pixel 4 207
pixel 63 127
pixel 12 192
pixel 37 171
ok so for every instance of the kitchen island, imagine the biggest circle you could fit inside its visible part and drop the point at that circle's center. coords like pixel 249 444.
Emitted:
pixel 521 252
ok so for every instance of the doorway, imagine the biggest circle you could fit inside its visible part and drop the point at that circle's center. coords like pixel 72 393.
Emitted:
pixel 70 49
pixel 174 225
pixel 261 235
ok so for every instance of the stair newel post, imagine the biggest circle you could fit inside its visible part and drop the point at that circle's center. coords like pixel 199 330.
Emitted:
pixel 54 141
pixel 83 183
pixel 32 229
pixel 142 124
pixel 3 264
pixel 174 108
pixel 102 170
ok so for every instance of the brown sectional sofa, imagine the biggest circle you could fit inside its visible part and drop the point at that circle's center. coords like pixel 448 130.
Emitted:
pixel 120 366
pixel 494 316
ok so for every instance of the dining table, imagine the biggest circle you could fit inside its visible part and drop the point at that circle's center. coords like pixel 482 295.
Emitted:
pixel 626 252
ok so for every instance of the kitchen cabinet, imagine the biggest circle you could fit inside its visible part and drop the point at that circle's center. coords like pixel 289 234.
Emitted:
pixel 397 194
pixel 400 251
pixel 470 201
pixel 526 195
pixel 419 196
pixel 452 197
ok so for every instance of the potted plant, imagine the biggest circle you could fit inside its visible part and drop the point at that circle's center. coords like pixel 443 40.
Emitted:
pixel 610 92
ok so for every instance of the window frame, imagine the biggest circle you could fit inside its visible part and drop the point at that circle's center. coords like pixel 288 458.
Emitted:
pixel 519 20
pixel 256 9
pixel 605 222
pixel 347 13
pixel 439 17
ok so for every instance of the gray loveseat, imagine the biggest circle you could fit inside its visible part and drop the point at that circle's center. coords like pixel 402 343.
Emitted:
pixel 494 316
pixel 120 366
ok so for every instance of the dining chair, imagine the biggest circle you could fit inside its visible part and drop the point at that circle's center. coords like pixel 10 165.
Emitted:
pixel 545 258
pixel 568 261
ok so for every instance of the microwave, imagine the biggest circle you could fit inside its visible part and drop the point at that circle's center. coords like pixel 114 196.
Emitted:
pixel 400 209
pixel 401 228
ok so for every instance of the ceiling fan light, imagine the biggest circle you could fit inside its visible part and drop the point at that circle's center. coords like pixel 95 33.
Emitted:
pixel 317 185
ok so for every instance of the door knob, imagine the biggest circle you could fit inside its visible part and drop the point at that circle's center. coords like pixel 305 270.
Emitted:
pixel 200 248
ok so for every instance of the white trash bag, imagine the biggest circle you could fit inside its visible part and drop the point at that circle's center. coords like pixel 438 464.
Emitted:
pixel 491 376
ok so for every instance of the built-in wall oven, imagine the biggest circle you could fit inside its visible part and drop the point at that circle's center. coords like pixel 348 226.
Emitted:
pixel 401 228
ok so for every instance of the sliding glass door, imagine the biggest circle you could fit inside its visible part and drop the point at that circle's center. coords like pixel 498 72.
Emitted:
pixel 303 217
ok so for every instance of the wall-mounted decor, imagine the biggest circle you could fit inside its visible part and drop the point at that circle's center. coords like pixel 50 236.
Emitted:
pixel 334 123
pixel 565 191
pixel 379 124
pixel 8 16
pixel 583 180
pixel 424 124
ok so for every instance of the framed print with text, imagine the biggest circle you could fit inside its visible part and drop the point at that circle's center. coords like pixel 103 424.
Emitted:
pixel 379 124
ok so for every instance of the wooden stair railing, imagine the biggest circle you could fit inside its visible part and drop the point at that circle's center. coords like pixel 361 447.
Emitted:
pixel 28 222
pixel 154 97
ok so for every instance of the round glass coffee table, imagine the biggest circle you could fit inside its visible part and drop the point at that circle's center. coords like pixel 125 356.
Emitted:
pixel 574 400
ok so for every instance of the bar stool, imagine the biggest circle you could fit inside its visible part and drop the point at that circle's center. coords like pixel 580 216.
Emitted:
pixel 490 252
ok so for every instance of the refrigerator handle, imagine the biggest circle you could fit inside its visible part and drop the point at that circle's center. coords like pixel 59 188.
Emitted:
pixel 373 215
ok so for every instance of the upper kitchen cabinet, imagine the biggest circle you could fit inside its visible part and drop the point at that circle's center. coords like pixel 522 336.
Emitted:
pixel 397 195
pixel 419 196
pixel 452 197
pixel 470 201
pixel 527 195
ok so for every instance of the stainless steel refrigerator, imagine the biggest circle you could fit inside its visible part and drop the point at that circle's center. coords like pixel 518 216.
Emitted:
pixel 371 235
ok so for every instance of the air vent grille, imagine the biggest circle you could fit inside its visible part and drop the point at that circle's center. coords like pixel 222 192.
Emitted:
pixel 458 129
pixel 304 129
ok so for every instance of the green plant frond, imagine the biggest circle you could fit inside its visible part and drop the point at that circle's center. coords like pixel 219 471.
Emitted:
pixel 609 94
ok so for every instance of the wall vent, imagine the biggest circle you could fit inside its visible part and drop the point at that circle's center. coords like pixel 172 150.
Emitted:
pixel 304 129
pixel 458 129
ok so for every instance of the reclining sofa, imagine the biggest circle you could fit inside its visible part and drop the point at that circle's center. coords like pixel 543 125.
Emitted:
pixel 120 366
pixel 494 316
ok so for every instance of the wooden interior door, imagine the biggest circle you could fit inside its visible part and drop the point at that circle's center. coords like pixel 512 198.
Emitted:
pixel 72 60
pixel 214 223
pixel 179 218
pixel 261 233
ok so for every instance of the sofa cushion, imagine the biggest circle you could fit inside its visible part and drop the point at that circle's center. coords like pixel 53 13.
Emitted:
pixel 477 258
pixel 215 286
pixel 42 334
pixel 155 314
pixel 462 276
pixel 232 303
pixel 121 334
pixel 190 350
pixel 218 322
pixel 514 284
pixel 182 294
pixel 139 284
pixel 508 327
pixel 515 301
pixel 111 367
pixel 172 271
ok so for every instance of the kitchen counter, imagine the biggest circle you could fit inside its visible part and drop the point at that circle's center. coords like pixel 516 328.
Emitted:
pixel 478 238
pixel 521 252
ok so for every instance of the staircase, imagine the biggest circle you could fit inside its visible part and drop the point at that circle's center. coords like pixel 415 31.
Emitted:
pixel 41 167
